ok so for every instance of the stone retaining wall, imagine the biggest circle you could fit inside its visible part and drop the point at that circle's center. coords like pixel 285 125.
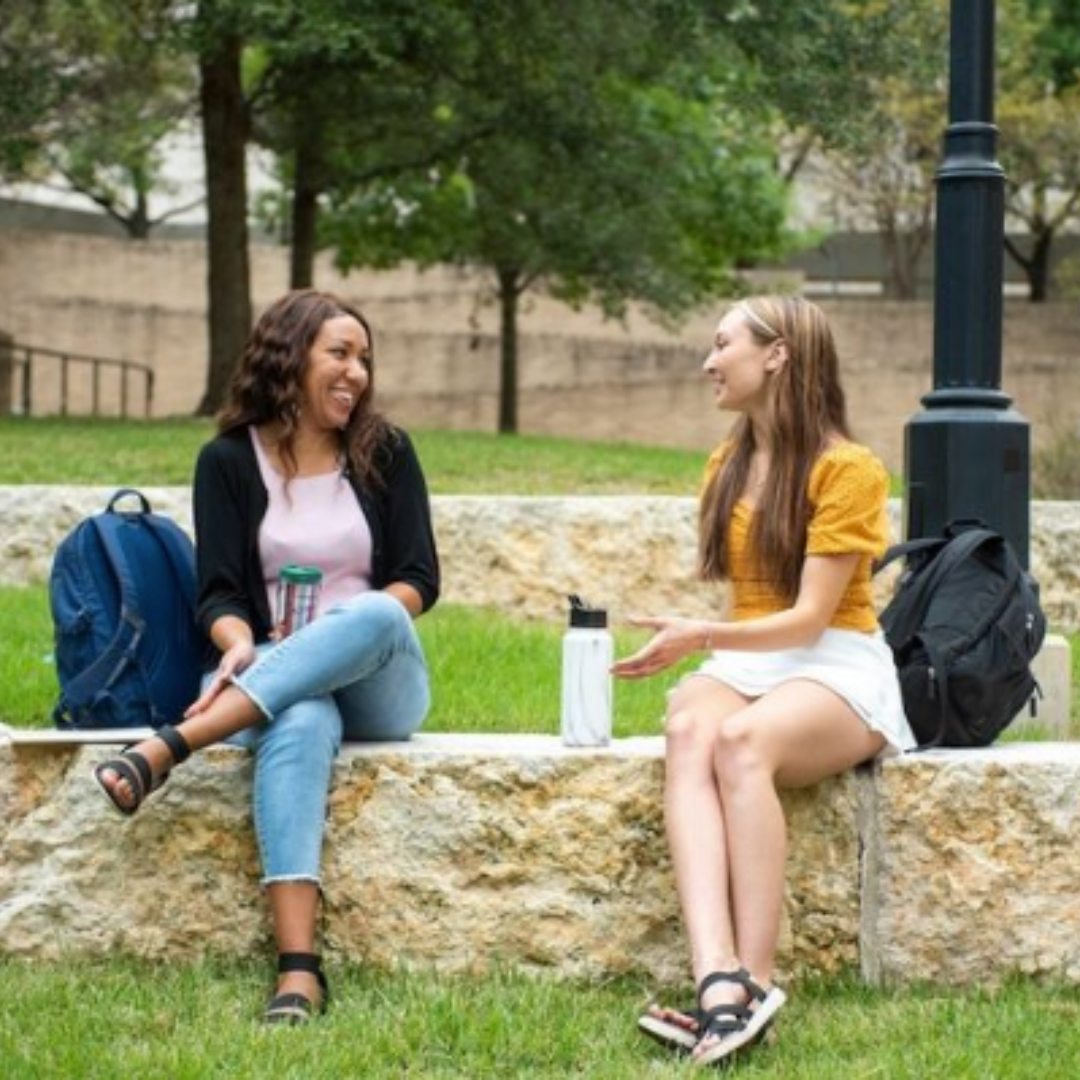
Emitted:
pixel 581 375
pixel 465 852
pixel 523 555
pixel 972 866
pixel 458 852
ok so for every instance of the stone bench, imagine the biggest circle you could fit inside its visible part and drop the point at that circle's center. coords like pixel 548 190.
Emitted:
pixel 464 852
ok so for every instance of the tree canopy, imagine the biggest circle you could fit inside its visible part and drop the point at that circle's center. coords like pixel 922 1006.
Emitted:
pixel 606 151
pixel 602 172
pixel 1039 115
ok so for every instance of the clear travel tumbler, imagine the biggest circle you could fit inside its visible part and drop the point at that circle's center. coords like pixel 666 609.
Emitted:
pixel 297 595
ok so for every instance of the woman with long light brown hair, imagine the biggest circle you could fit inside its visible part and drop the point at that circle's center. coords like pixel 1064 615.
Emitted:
pixel 797 683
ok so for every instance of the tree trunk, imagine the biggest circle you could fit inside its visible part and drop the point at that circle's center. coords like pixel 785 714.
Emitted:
pixel 305 206
pixel 897 284
pixel 224 121
pixel 139 221
pixel 1038 267
pixel 508 351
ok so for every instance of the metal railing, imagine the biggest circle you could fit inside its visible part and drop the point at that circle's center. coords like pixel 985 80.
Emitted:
pixel 50 381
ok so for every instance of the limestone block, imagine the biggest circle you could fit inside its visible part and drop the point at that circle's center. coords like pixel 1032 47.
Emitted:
pixel 451 851
pixel 178 880
pixel 514 850
pixel 973 866
pixel 631 554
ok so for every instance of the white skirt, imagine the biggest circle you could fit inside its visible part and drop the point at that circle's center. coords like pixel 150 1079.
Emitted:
pixel 858 667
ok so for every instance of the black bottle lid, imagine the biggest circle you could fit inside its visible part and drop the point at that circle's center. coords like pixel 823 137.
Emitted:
pixel 585 617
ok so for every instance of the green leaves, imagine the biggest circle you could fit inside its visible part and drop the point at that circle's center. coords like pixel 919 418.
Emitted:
pixel 596 161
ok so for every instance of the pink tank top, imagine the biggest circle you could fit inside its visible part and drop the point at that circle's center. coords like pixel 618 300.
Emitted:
pixel 317 521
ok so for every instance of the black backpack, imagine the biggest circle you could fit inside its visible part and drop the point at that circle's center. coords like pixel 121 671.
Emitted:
pixel 964 625
pixel 122 594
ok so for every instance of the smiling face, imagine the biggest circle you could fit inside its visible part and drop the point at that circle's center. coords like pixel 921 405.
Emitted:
pixel 739 365
pixel 336 374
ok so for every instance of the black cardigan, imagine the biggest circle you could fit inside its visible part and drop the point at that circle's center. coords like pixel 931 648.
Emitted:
pixel 230 501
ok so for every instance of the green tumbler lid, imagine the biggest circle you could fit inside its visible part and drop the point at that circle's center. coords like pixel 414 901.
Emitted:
pixel 301 575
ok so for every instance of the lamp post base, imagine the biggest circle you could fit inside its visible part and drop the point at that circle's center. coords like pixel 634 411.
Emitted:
pixel 969 463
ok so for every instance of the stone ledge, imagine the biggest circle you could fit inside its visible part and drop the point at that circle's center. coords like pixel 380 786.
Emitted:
pixel 460 852
pixel 451 851
pixel 525 554
pixel 973 865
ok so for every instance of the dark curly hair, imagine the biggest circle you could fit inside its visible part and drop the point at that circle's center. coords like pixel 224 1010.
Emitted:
pixel 267 385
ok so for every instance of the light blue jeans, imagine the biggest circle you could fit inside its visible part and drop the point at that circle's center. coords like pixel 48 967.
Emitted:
pixel 358 673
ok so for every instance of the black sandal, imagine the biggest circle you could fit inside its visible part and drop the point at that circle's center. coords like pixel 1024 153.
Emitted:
pixel 737 1026
pixel 293 1008
pixel 681 1038
pixel 133 768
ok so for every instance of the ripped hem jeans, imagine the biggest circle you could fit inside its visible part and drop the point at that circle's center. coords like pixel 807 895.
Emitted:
pixel 357 673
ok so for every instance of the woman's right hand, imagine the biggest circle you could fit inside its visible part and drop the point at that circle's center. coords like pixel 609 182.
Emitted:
pixel 234 659
pixel 673 639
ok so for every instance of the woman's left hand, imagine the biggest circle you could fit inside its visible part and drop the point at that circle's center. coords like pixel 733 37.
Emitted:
pixel 235 659
pixel 674 638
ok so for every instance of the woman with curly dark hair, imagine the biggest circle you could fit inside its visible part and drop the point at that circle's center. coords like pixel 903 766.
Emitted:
pixel 302 471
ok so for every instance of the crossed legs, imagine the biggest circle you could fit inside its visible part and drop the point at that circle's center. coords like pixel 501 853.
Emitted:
pixel 357 672
pixel 727 755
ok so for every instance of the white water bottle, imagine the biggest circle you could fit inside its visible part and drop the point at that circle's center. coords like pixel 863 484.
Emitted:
pixel 588 653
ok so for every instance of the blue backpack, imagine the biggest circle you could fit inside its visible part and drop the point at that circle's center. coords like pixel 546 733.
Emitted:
pixel 122 594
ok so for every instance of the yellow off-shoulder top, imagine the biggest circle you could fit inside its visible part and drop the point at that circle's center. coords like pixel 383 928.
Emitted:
pixel 848 489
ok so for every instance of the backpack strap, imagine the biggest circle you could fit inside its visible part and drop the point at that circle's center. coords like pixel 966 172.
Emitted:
pixel 956 551
pixel 909 547
pixel 122 493
pixel 179 555
pixel 81 691
pixel 954 528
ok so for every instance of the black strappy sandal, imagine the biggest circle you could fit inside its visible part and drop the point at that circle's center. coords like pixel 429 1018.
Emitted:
pixel 132 767
pixel 293 1008
pixel 736 1026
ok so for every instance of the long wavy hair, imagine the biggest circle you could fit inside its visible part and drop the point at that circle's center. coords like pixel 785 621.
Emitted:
pixel 806 407
pixel 267 386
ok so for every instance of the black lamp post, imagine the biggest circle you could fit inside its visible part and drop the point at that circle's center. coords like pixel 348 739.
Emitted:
pixel 968 452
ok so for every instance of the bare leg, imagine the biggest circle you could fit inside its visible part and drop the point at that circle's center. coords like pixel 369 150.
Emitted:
pixel 294 907
pixel 695 826
pixel 795 736
pixel 695 821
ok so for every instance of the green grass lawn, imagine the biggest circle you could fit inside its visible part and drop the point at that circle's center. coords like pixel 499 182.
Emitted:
pixel 489 673
pixel 162 453
pixel 198 1022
